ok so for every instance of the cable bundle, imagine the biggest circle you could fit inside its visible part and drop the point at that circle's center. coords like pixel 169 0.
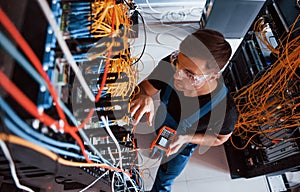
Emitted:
pixel 260 29
pixel 105 77
pixel 273 99
pixel 76 19
pixel 110 18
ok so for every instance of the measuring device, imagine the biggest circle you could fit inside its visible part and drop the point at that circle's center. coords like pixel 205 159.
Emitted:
pixel 163 139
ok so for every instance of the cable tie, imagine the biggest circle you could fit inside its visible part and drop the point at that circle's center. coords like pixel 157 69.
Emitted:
pixel 43 88
pixel 54 128
pixel 61 124
pixel 40 110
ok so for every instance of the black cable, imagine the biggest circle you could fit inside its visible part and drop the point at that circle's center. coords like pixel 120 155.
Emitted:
pixel 145 38
pixel 130 5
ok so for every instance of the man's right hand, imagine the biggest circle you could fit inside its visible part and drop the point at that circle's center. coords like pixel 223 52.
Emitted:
pixel 142 104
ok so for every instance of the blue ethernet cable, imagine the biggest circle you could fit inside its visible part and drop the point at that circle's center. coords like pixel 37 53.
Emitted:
pixel 10 48
pixel 79 24
pixel 79 8
pixel 79 3
pixel 80 57
pixel 24 126
pixel 82 133
pixel 87 45
pixel 78 17
pixel 12 127
pixel 16 130
pixel 82 35
pixel 75 29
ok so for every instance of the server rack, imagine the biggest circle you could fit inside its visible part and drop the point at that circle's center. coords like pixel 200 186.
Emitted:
pixel 34 169
pixel 252 59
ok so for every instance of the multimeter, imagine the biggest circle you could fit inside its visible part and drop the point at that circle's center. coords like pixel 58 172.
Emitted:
pixel 164 139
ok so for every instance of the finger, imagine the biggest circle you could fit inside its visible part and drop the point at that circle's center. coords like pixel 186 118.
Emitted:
pixel 138 115
pixel 132 104
pixel 174 149
pixel 174 142
pixel 150 117
pixel 133 109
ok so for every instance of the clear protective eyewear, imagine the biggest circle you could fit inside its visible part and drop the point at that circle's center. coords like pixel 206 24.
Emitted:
pixel 184 73
pixel 196 79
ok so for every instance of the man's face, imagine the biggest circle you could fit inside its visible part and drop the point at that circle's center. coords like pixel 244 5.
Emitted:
pixel 191 74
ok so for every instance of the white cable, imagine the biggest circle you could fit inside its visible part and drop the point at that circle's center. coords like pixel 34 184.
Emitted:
pixel 135 189
pixel 111 156
pixel 93 183
pixel 113 182
pixel 12 167
pixel 90 145
pixel 148 28
pixel 113 179
pixel 163 46
pixel 141 180
pixel 196 8
pixel 81 132
pixel 173 15
pixel 51 19
pixel 177 15
pixel 105 121
pixel 150 7
pixel 166 33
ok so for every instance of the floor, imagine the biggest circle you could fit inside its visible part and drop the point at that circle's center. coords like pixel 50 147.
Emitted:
pixel 210 173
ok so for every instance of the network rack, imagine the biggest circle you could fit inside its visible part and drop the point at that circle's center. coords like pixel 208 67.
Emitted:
pixel 39 171
pixel 263 154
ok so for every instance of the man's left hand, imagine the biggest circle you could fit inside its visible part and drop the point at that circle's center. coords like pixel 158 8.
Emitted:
pixel 178 141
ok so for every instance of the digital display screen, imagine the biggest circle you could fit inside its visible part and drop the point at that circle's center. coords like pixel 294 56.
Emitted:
pixel 162 142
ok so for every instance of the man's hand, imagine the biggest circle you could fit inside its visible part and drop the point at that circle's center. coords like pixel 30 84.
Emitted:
pixel 178 141
pixel 199 139
pixel 139 106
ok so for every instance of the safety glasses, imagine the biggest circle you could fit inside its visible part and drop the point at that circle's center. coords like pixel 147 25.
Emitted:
pixel 184 73
pixel 195 79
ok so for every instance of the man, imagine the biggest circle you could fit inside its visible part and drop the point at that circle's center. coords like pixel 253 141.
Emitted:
pixel 187 81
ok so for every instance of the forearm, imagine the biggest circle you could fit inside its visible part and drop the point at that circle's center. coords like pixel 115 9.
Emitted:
pixel 199 139
pixel 146 88
pixel 207 139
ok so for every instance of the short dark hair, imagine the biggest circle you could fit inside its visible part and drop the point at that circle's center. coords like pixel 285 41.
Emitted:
pixel 204 44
